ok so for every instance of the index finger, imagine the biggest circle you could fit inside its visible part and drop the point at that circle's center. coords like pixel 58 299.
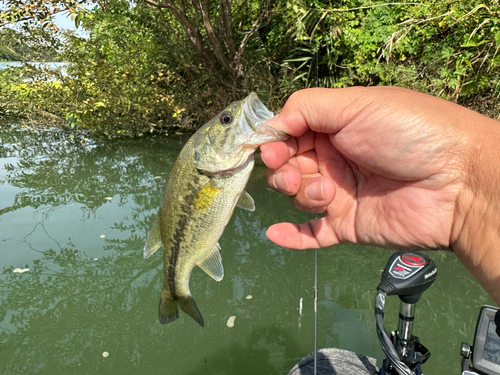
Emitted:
pixel 276 154
pixel 309 111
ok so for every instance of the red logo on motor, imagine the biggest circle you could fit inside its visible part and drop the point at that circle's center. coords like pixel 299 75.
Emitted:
pixel 413 260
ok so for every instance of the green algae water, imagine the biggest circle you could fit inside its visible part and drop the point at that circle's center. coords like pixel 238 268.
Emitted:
pixel 74 216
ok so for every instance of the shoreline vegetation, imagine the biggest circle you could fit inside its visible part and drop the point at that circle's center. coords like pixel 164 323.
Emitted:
pixel 164 67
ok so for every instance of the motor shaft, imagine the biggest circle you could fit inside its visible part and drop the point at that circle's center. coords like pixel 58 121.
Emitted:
pixel 405 329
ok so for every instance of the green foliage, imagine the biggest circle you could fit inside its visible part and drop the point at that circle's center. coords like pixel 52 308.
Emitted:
pixel 448 49
pixel 139 70
pixel 116 84
pixel 13 11
pixel 136 73
pixel 30 44
pixel 115 75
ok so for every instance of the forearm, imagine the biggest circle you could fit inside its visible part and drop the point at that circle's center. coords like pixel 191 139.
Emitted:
pixel 475 237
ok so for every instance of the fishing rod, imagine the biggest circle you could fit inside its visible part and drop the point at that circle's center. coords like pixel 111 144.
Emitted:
pixel 315 309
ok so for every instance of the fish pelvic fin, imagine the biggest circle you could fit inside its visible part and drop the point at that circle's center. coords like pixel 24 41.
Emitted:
pixel 246 202
pixel 168 310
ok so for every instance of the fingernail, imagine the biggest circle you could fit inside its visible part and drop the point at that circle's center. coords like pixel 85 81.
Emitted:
pixel 280 181
pixel 314 191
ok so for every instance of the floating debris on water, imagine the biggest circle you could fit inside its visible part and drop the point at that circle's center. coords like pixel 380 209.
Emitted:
pixel 230 321
pixel 20 270
pixel 249 296
pixel 105 354
pixel 300 312
pixel 102 236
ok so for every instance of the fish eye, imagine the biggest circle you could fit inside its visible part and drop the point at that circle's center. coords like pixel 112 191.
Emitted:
pixel 226 118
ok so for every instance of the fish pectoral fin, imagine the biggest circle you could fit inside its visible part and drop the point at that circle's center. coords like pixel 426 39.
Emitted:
pixel 246 202
pixel 212 264
pixel 153 242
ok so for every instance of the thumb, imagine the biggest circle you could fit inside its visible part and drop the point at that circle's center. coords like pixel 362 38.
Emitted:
pixel 328 111
pixel 318 109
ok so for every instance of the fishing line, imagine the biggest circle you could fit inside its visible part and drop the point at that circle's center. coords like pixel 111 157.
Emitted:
pixel 315 307
pixel 316 265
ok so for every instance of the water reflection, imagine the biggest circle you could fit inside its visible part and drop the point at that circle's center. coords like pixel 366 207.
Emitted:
pixel 68 306
pixel 55 168
pixel 89 291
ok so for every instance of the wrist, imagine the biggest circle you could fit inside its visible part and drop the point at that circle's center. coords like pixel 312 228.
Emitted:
pixel 475 236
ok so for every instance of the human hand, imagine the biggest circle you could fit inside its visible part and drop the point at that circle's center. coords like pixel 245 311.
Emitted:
pixel 389 167
pixel 385 164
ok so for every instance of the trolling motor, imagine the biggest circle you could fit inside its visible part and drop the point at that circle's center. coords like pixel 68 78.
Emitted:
pixel 407 275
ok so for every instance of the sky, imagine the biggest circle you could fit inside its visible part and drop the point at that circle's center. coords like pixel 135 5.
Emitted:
pixel 63 21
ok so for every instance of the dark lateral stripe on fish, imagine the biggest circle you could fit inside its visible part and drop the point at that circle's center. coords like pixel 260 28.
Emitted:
pixel 178 239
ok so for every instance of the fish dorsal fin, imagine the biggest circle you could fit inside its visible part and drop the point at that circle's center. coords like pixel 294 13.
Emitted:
pixel 153 242
pixel 246 202
pixel 212 264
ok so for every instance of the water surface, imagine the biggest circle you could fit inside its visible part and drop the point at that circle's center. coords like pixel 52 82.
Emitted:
pixel 76 212
pixel 36 64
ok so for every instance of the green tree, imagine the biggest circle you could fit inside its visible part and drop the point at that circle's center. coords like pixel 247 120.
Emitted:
pixel 149 66
pixel 445 48
pixel 209 25
pixel 26 10
pixel 32 44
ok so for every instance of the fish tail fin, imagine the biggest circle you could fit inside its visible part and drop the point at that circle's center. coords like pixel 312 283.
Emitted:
pixel 168 310
pixel 188 305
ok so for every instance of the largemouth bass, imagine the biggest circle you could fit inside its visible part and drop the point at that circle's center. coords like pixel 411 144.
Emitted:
pixel 206 183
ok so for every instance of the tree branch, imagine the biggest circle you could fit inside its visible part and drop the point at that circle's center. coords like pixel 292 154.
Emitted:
pixel 194 34
pixel 191 30
pixel 369 7
pixel 246 38
pixel 227 29
pixel 154 4
pixel 213 40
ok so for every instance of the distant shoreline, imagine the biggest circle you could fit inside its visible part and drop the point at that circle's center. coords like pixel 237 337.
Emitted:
pixel 49 64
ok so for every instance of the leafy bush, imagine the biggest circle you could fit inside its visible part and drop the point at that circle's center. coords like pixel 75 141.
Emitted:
pixel 113 85
pixel 138 71
pixel 448 49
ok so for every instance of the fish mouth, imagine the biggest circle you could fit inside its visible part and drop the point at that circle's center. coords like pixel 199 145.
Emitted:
pixel 253 123
pixel 256 112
